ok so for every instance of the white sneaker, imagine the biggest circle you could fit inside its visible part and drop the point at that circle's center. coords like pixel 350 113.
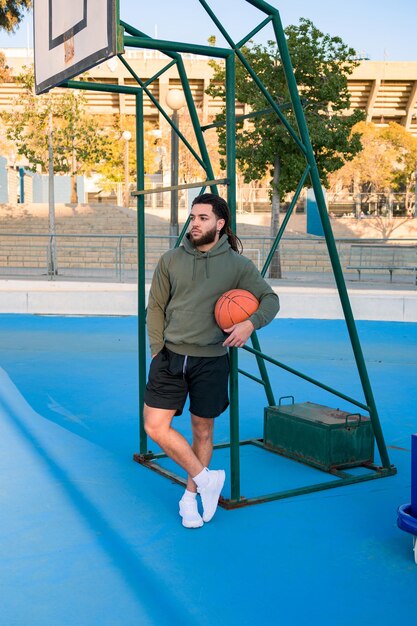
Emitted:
pixel 210 493
pixel 191 518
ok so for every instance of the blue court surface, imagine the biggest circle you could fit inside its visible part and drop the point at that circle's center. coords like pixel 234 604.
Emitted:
pixel 90 537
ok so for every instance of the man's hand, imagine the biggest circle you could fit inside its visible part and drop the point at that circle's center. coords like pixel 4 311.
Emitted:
pixel 239 334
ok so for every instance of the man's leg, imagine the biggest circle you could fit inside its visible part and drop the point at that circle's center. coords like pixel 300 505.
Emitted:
pixel 207 379
pixel 202 429
pixel 158 427
pixel 210 491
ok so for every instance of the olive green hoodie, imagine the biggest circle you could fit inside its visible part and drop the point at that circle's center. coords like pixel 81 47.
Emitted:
pixel 185 288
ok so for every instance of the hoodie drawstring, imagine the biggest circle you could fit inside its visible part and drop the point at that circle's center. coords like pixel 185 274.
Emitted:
pixel 206 260
pixel 220 247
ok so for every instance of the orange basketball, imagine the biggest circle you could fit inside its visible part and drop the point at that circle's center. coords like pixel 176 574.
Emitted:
pixel 234 306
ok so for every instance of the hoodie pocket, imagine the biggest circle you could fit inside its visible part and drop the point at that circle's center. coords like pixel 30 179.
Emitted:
pixel 192 327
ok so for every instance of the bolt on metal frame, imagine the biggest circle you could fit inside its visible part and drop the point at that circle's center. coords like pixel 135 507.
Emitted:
pixel 135 38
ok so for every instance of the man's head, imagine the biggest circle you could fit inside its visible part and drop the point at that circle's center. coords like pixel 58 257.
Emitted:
pixel 210 219
pixel 205 225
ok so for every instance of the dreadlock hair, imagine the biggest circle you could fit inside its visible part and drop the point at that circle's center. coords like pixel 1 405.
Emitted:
pixel 222 211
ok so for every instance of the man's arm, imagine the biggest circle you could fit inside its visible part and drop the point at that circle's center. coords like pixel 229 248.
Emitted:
pixel 158 299
pixel 252 281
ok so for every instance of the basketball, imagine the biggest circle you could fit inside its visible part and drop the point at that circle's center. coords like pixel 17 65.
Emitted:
pixel 234 306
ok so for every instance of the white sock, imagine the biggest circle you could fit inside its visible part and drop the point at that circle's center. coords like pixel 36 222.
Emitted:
pixel 189 495
pixel 202 478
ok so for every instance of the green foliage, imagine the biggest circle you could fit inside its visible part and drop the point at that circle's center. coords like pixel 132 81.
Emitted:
pixel 5 75
pixel 321 66
pixel 386 162
pixel 79 143
pixel 112 168
pixel 12 13
pixel 405 147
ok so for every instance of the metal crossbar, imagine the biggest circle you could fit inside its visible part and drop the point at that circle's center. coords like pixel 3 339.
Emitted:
pixel 203 183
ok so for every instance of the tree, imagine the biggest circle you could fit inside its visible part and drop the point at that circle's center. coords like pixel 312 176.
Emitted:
pixel 5 76
pixel 371 170
pixel 112 169
pixel 79 143
pixel 404 170
pixel 386 162
pixel 12 13
pixel 321 65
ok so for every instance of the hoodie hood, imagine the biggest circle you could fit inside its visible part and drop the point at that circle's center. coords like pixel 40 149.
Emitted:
pixel 221 247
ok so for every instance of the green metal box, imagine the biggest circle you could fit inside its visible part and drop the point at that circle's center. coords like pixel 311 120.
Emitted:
pixel 319 435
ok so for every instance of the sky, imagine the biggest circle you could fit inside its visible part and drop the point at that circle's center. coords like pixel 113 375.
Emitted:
pixel 377 30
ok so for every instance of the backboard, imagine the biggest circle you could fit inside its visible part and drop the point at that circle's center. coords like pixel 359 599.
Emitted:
pixel 70 37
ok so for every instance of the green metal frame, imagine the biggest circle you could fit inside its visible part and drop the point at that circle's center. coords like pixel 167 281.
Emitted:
pixel 137 39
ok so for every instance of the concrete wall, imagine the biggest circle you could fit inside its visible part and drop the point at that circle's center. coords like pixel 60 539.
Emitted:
pixel 55 298
pixel 62 188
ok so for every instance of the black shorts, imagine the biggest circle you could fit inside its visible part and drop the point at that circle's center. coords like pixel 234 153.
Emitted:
pixel 173 376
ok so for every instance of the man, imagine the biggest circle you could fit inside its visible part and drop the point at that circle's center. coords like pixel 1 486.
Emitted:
pixel 189 350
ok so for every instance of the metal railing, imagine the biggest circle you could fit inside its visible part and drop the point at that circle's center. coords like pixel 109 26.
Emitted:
pixel 363 205
pixel 114 257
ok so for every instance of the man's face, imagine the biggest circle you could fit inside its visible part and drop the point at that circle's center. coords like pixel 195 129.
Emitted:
pixel 205 226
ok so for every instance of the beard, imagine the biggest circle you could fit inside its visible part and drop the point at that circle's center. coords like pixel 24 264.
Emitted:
pixel 203 240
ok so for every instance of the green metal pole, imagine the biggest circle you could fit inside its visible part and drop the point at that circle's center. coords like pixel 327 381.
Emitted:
pixel 217 23
pixel 190 103
pixel 253 32
pixel 174 46
pixel 270 99
pixel 263 371
pixel 285 222
pixel 334 258
pixel 140 159
pixel 249 69
pixel 255 342
pixel 231 199
pixel 247 116
pixel 287 368
pixel 90 86
pixel 163 113
pixel 158 74
pixel 195 122
pixel 231 136
pixel 234 426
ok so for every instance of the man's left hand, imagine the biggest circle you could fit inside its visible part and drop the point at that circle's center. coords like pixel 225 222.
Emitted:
pixel 239 334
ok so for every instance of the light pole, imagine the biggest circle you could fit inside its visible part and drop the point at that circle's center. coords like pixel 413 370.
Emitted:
pixel 414 213
pixel 175 100
pixel 126 136
pixel 52 266
pixel 415 180
pixel 156 133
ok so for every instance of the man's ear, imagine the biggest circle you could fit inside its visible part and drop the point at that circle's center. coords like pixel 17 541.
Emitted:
pixel 220 224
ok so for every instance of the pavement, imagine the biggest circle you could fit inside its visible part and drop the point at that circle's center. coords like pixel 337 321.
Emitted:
pixel 90 537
